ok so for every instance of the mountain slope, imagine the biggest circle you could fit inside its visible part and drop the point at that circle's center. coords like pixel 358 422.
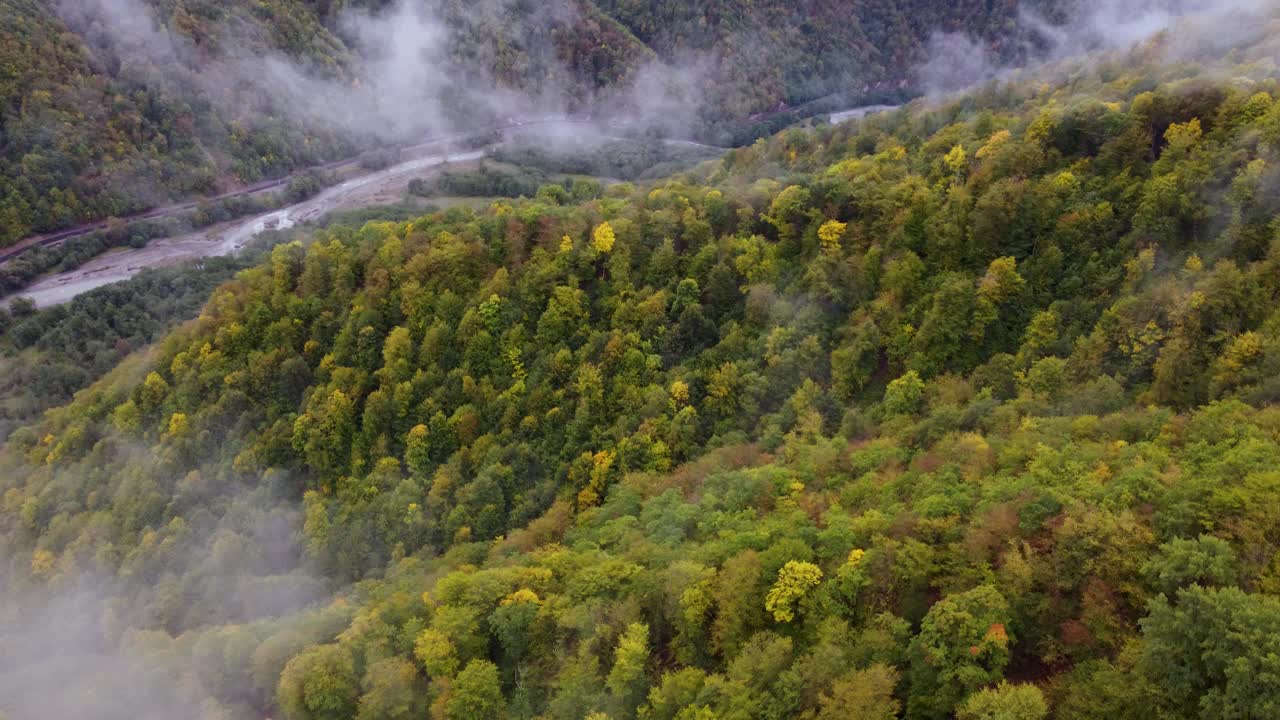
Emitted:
pixel 767 53
pixel 114 106
pixel 956 408
pixel 111 107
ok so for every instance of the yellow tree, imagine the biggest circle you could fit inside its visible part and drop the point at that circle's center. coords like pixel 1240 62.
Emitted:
pixel 830 234
pixel 795 580
pixel 602 238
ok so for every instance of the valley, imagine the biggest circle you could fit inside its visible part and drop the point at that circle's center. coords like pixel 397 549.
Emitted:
pixel 899 360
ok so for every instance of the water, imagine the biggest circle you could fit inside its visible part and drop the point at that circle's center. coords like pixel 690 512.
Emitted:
pixel 859 113
pixel 229 238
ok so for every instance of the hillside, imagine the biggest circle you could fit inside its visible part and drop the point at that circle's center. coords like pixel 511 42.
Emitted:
pixel 763 54
pixel 110 107
pixel 966 410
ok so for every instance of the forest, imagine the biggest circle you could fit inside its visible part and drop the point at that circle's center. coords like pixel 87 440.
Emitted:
pixel 107 107
pixel 962 411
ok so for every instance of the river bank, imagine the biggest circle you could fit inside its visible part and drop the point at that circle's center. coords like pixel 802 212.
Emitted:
pixel 381 187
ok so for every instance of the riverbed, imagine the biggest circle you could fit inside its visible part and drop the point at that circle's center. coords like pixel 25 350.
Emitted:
pixel 859 113
pixel 376 188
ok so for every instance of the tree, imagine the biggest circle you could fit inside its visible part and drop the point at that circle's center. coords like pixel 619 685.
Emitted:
pixel 830 234
pixel 476 693
pixel 963 645
pixel 865 694
pixel 944 343
pixel 417 454
pixel 1214 653
pixel 324 436
pixel 436 653
pixel 1004 702
pixel 152 394
pixel 393 690
pixel 602 238
pixel 788 208
pixel 677 691
pixel 904 394
pixel 795 580
pixel 1206 561
pixel 319 684
pixel 627 679
pixel 738 611
pixel 564 318
pixel 512 623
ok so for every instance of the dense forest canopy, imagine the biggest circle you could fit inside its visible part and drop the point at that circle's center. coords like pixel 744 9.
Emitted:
pixel 965 410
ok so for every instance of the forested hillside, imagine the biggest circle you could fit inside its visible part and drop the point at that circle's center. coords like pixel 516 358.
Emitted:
pixel 963 411
pixel 763 54
pixel 109 107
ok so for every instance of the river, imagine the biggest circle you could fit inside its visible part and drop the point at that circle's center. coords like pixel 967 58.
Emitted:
pixel 381 187
pixel 376 188
pixel 859 113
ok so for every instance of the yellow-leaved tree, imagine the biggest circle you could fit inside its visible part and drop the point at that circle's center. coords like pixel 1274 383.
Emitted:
pixel 830 234
pixel 602 238
pixel 795 580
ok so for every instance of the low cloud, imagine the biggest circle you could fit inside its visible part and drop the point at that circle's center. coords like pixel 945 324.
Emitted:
pixel 1196 28
pixel 399 79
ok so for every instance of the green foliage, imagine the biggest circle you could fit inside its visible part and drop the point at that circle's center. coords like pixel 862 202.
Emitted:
pixel 621 159
pixel 319 684
pixel 1207 561
pixel 726 463
pixel 436 653
pixel 865 693
pixel 392 691
pixel 484 181
pixel 963 645
pixel 1004 702
pixel 626 679
pixel 50 354
pixel 904 394
pixel 475 693
pixel 1213 653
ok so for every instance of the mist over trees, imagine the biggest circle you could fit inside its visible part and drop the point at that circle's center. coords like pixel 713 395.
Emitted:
pixel 964 410
pixel 111 107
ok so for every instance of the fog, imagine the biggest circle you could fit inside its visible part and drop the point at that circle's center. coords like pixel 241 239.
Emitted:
pixel 1121 23
pixel 955 62
pixel 60 653
pixel 170 633
pixel 396 76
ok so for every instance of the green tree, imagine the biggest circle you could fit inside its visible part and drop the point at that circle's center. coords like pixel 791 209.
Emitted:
pixel 866 694
pixel 1206 560
pixel 1004 702
pixel 476 693
pixel 904 394
pixel 1212 653
pixel 627 681
pixel 436 653
pixel 319 684
pixel 963 645
pixel 393 690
